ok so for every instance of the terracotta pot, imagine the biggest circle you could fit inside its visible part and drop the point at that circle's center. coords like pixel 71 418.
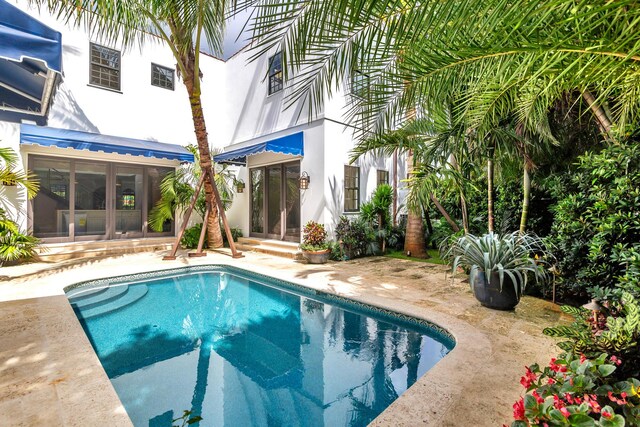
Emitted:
pixel 491 296
pixel 317 257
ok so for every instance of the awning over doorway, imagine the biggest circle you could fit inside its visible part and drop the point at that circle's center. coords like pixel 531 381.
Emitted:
pixel 290 144
pixel 61 138
pixel 30 62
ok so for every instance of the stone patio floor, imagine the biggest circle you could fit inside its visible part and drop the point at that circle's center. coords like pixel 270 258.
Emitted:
pixel 50 375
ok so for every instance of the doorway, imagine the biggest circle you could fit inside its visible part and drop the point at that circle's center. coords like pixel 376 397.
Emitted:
pixel 275 202
pixel 90 200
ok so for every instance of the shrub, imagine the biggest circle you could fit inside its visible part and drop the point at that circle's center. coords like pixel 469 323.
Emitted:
pixel 614 330
pixel 191 237
pixel 596 231
pixel 577 391
pixel 356 238
pixel 14 245
pixel 314 237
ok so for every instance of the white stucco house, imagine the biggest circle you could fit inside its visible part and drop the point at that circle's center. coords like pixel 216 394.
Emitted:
pixel 117 122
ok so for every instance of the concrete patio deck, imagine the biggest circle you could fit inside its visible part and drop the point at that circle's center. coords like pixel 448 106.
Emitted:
pixel 50 375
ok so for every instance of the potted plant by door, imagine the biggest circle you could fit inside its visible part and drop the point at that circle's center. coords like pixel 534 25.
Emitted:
pixel 315 247
pixel 499 265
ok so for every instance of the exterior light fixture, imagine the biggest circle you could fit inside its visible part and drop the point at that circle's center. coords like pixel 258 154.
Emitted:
pixel 240 186
pixel 304 180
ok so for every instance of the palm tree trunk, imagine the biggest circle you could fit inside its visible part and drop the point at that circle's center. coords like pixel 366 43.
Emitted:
pixel 414 243
pixel 463 200
pixel 490 167
pixel 601 115
pixel 214 234
pixel 526 195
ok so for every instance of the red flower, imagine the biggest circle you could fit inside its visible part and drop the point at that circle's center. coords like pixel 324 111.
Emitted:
pixel 615 360
pixel 551 381
pixel 518 410
pixel 537 396
pixel 582 358
pixel 621 402
pixel 528 378
pixel 555 367
pixel 593 403
pixel 607 414
pixel 565 412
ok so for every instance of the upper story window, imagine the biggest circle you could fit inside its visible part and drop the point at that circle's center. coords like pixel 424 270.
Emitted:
pixel 105 67
pixel 275 73
pixel 351 188
pixel 383 177
pixel 162 77
pixel 359 84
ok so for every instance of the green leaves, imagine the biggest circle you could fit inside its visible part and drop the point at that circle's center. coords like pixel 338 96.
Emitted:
pixel 510 256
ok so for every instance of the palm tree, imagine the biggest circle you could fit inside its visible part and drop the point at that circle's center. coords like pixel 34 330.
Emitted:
pixel 178 187
pixel 10 175
pixel 181 25
pixel 515 57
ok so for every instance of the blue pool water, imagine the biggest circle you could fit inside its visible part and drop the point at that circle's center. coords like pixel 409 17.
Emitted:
pixel 244 350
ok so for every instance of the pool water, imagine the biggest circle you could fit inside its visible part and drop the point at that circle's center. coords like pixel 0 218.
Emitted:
pixel 240 349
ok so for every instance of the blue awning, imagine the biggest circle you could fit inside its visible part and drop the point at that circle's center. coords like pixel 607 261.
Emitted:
pixel 30 62
pixel 290 144
pixel 61 138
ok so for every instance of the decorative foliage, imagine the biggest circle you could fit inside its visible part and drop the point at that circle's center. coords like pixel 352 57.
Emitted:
pixel 615 330
pixel 356 237
pixel 596 231
pixel 314 237
pixel 578 391
pixel 177 189
pixel 14 245
pixel 510 255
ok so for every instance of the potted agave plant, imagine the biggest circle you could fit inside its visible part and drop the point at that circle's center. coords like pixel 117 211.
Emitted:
pixel 499 265
pixel 315 247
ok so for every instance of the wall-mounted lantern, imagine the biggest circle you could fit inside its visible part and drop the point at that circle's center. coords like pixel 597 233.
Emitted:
pixel 240 186
pixel 304 180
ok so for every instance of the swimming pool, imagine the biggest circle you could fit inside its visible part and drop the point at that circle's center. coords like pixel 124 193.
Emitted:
pixel 242 349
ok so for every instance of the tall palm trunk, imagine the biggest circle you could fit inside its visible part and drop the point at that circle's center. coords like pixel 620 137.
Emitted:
pixel 526 195
pixel 604 123
pixel 414 243
pixel 214 234
pixel 490 170
pixel 463 200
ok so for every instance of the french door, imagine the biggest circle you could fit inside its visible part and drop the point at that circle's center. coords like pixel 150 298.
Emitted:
pixel 89 200
pixel 275 202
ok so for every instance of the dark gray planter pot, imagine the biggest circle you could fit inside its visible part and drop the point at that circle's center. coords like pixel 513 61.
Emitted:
pixel 490 296
pixel 317 257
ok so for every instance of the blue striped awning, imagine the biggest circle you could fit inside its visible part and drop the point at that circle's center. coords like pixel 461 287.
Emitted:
pixel 30 65
pixel 62 138
pixel 291 144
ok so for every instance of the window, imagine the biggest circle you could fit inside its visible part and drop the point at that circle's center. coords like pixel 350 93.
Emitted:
pixel 359 84
pixel 162 76
pixel 105 67
pixel 351 188
pixel 383 177
pixel 275 73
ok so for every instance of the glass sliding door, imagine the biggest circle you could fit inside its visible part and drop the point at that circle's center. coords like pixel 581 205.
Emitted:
pixel 129 198
pixel 51 206
pixel 275 202
pixel 274 205
pixel 90 199
pixel 292 201
pixel 257 202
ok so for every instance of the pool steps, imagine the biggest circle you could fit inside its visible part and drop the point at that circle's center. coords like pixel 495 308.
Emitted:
pixel 272 247
pixel 106 300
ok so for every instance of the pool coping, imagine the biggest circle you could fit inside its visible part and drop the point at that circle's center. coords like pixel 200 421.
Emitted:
pixel 411 408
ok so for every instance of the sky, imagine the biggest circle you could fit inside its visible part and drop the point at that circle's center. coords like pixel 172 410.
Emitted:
pixel 235 39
